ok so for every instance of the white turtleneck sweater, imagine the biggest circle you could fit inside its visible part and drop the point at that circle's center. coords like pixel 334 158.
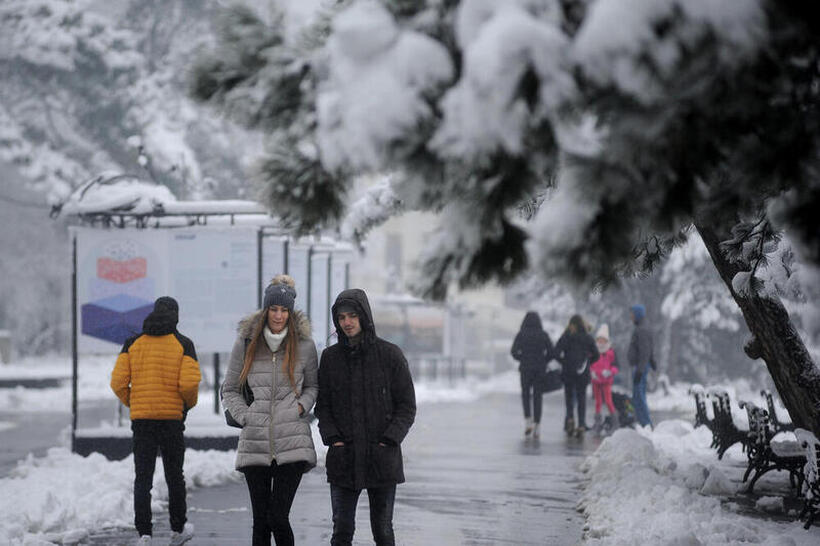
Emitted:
pixel 274 340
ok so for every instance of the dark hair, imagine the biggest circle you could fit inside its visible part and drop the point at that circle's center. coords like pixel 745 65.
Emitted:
pixel 577 324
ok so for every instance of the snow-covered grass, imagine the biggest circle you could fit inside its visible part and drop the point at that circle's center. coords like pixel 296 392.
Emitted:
pixel 667 487
pixel 92 383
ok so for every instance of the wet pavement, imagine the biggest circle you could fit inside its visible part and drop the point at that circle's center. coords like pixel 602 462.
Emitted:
pixel 472 479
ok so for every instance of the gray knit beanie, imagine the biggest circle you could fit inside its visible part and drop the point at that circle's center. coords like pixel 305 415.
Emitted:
pixel 280 291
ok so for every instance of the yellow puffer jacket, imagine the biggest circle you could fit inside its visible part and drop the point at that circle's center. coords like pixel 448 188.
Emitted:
pixel 157 376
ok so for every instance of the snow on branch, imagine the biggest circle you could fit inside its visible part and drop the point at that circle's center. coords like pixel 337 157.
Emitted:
pixel 371 210
pixel 375 93
pixel 637 45
pixel 487 110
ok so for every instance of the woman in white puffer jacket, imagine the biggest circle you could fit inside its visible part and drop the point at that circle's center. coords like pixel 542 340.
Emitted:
pixel 275 356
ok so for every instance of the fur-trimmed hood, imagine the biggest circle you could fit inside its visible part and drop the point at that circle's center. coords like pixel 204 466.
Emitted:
pixel 250 326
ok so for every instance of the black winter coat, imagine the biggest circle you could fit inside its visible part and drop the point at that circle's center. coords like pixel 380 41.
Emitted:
pixel 576 352
pixel 366 397
pixel 532 347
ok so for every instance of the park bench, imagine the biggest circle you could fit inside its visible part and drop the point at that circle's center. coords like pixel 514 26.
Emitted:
pixel 811 475
pixel 766 454
pixel 725 432
pixel 701 415
pixel 778 425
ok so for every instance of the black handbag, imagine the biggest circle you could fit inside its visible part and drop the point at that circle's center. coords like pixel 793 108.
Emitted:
pixel 247 395
pixel 550 381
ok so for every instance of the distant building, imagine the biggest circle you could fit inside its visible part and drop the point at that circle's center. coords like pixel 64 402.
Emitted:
pixel 474 326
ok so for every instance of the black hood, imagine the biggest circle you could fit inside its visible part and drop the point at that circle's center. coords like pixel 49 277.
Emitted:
pixel 357 299
pixel 531 321
pixel 163 319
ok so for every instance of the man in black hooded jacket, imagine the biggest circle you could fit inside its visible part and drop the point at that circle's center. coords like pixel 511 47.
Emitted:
pixel 366 406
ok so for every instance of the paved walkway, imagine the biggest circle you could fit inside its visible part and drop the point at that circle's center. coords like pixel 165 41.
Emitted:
pixel 471 480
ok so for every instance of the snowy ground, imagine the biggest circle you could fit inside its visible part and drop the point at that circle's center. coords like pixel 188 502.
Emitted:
pixel 51 499
pixel 665 484
pixel 668 487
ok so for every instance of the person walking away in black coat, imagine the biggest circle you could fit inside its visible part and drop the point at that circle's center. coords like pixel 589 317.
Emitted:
pixel 640 355
pixel 365 408
pixel 532 348
pixel 576 351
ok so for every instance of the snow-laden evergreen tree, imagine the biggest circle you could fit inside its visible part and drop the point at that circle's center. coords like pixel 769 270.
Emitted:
pixel 79 86
pixel 89 87
pixel 636 119
pixel 703 327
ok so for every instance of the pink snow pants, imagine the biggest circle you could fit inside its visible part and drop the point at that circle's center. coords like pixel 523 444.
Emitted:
pixel 603 393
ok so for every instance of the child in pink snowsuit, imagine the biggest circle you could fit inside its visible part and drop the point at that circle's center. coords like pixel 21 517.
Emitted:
pixel 603 373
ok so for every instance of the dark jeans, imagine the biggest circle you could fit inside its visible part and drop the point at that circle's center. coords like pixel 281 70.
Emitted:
pixel 344 503
pixel 575 392
pixel 639 400
pixel 531 390
pixel 272 489
pixel 151 435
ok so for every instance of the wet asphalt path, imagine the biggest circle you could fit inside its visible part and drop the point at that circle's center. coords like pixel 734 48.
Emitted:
pixel 472 479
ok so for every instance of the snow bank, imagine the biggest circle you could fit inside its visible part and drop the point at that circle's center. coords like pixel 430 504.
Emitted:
pixel 667 487
pixel 62 496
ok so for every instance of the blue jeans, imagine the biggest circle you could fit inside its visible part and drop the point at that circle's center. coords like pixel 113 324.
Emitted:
pixel 639 399
pixel 344 501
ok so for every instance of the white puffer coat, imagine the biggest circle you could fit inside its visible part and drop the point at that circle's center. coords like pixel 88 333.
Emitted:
pixel 271 425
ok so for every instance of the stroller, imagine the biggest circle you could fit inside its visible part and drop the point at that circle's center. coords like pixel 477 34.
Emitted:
pixel 623 405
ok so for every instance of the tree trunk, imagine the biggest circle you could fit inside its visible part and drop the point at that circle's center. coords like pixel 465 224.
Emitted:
pixel 775 339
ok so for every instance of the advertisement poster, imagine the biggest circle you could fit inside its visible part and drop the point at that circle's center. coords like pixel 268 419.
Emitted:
pixel 211 273
pixel 119 275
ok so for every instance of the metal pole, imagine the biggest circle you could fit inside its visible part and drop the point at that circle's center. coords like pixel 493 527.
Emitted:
pixel 216 383
pixel 259 285
pixel 74 352
pixel 309 277
pixel 329 301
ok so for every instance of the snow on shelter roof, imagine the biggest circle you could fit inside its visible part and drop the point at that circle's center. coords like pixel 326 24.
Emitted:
pixel 124 195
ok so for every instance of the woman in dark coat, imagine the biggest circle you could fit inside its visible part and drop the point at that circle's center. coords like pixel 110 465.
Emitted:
pixel 532 348
pixel 576 351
